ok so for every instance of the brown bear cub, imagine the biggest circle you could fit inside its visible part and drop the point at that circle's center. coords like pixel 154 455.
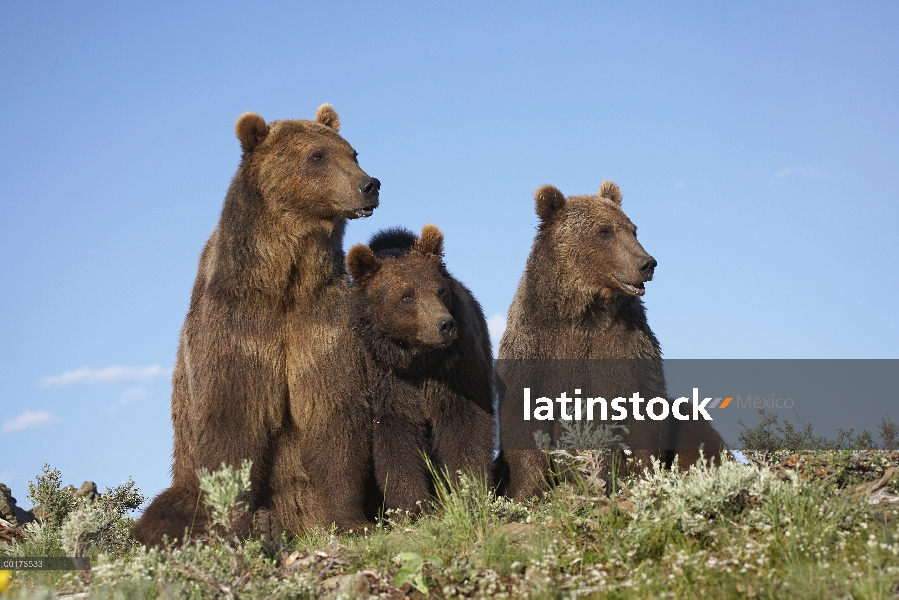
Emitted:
pixel 579 298
pixel 261 373
pixel 429 362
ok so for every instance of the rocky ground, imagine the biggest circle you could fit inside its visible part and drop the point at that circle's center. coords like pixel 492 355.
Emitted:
pixel 13 517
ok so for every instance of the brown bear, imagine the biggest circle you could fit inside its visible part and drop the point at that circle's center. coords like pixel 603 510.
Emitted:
pixel 579 299
pixel 430 367
pixel 260 373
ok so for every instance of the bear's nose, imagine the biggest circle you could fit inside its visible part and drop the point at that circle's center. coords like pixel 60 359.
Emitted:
pixel 647 266
pixel 447 328
pixel 369 188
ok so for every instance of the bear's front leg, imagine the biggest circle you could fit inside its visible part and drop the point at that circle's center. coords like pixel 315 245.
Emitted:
pixel 402 474
pixel 463 438
pixel 321 462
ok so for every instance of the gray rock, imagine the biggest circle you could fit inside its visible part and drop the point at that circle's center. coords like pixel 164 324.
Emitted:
pixel 87 490
pixel 353 585
pixel 11 513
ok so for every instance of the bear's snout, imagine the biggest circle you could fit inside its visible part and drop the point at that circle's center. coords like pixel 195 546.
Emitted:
pixel 447 328
pixel 647 267
pixel 369 187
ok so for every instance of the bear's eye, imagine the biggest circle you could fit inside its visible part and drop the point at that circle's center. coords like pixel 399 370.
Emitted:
pixel 317 156
pixel 356 157
pixel 605 231
pixel 408 297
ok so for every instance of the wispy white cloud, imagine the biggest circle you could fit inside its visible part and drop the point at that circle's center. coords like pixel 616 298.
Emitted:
pixel 107 375
pixel 133 394
pixel 805 172
pixel 496 324
pixel 129 396
pixel 7 476
pixel 28 420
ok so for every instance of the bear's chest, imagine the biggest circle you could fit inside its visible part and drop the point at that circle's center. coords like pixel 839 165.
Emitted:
pixel 411 397
pixel 317 349
pixel 619 340
pixel 592 340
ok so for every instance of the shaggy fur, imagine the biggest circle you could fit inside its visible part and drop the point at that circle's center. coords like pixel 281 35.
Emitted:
pixel 264 370
pixel 429 364
pixel 579 298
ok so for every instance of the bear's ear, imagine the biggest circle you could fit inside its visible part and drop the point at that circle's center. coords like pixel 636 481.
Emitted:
pixel 362 262
pixel 549 200
pixel 251 130
pixel 327 116
pixel 610 191
pixel 430 242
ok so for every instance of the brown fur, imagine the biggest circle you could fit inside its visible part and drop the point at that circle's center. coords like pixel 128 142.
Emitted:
pixel 579 299
pixel 261 372
pixel 429 365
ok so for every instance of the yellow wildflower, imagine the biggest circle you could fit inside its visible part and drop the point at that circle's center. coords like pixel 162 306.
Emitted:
pixel 5 576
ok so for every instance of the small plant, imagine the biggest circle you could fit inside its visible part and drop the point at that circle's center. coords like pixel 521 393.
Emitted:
pixel 79 526
pixel 224 489
pixel 584 435
pixel 888 434
pixel 591 453
pixel 691 501
pixel 57 503
pixel 464 502
pixel 41 539
pixel 100 524
pixel 770 435
pixel 411 572
pixel 771 440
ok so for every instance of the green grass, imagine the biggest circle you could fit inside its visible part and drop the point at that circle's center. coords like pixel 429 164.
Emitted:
pixel 798 529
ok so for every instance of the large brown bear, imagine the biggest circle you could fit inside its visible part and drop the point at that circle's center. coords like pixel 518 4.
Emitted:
pixel 260 373
pixel 579 299
pixel 430 367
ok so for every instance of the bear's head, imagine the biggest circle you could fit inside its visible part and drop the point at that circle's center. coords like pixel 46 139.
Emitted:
pixel 405 285
pixel 306 168
pixel 593 243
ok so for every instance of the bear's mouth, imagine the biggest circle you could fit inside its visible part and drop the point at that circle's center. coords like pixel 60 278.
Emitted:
pixel 634 289
pixel 434 345
pixel 365 211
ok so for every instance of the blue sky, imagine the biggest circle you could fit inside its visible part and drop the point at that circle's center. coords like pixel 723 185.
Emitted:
pixel 755 143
